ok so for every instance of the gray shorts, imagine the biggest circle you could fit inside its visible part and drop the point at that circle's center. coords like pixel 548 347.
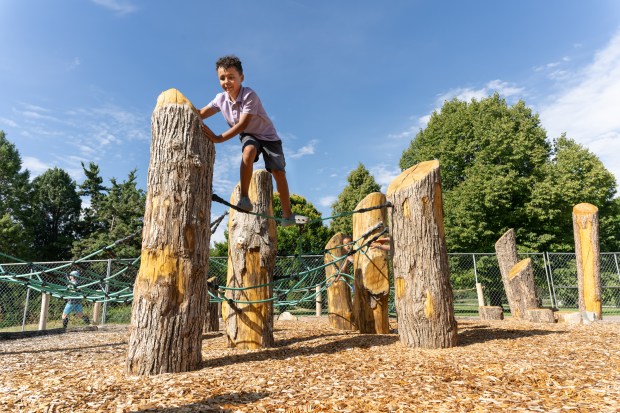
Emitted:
pixel 271 150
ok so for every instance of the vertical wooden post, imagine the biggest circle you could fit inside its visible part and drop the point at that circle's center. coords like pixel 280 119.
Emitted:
pixel 171 287
pixel 96 313
pixel 45 305
pixel 480 295
pixel 212 320
pixel 523 288
pixel 339 304
pixel 424 300
pixel 372 285
pixel 585 229
pixel 319 301
pixel 506 252
pixel 252 252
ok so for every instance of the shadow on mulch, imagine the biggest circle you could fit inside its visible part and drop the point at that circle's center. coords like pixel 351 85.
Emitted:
pixel 62 349
pixel 282 353
pixel 213 404
pixel 482 334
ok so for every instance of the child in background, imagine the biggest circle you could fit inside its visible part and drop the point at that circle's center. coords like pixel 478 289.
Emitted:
pixel 74 305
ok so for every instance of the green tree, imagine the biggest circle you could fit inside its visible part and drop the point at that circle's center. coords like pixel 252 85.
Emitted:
pixel 93 188
pixel 360 184
pixel 55 213
pixel 14 199
pixel 572 175
pixel 499 172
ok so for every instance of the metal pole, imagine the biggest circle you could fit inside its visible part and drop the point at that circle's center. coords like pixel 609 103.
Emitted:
pixel 475 268
pixel 550 283
pixel 106 288
pixel 25 308
pixel 617 268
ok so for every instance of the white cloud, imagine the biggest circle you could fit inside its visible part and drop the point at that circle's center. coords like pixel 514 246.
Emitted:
pixel 7 122
pixel 35 166
pixel 304 150
pixel 384 175
pixel 588 108
pixel 505 89
pixel 120 7
pixel 327 201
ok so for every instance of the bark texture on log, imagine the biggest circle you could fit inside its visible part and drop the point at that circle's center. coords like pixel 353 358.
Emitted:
pixel 522 288
pixel 585 229
pixel 424 300
pixel 339 304
pixel 506 251
pixel 491 312
pixel 540 315
pixel 170 290
pixel 252 249
pixel 371 271
pixel 212 319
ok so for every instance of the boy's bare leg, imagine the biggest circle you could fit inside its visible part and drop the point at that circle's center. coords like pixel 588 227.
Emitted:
pixel 246 169
pixel 285 198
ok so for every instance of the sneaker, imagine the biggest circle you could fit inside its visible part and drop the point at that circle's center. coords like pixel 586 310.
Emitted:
pixel 294 219
pixel 245 204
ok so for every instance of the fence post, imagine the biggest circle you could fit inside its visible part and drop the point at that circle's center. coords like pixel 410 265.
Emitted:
pixel 45 304
pixel 475 268
pixel 319 300
pixel 26 304
pixel 550 282
pixel 617 268
pixel 105 303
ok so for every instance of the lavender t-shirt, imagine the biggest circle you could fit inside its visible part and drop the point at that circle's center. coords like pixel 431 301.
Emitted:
pixel 260 125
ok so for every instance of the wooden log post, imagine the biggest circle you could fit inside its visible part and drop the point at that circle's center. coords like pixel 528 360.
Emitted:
pixel 212 319
pixel 491 312
pixel 522 288
pixel 171 286
pixel 96 313
pixel 371 273
pixel 339 303
pixel 585 230
pixel 507 257
pixel 424 300
pixel 45 305
pixel 252 252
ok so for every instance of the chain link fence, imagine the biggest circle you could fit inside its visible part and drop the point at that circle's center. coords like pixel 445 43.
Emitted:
pixel 555 276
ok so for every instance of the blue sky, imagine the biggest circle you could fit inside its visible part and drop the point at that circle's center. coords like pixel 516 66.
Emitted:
pixel 344 81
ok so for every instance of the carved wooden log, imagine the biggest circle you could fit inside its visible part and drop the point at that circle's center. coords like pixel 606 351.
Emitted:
pixel 339 305
pixel 212 319
pixel 171 286
pixel 252 252
pixel 540 315
pixel 371 282
pixel 522 288
pixel 585 229
pixel 491 312
pixel 424 300
pixel 506 251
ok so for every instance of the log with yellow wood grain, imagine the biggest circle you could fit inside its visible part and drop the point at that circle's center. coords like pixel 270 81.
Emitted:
pixel 252 252
pixel 587 252
pixel 170 290
pixel 424 300
pixel 339 305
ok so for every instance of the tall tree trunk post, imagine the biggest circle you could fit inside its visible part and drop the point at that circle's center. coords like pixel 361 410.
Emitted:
pixel 506 252
pixel 252 249
pixel 45 305
pixel 371 270
pixel 339 304
pixel 424 300
pixel 171 286
pixel 585 230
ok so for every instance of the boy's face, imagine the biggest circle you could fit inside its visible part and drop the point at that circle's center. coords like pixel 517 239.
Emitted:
pixel 230 80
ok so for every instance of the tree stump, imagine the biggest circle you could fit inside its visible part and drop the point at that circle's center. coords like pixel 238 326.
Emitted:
pixel 212 319
pixel 540 315
pixel 522 288
pixel 424 300
pixel 339 305
pixel 507 257
pixel 371 273
pixel 585 229
pixel 252 252
pixel 171 286
pixel 491 312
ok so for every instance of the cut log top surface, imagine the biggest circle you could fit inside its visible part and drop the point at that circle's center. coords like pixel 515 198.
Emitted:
pixel 584 209
pixel 412 175
pixel 173 97
pixel 518 267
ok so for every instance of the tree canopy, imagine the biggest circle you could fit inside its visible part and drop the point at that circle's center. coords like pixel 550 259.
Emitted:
pixel 499 171
pixel 360 184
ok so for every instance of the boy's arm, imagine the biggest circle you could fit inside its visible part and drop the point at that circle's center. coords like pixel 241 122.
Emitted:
pixel 207 111
pixel 244 120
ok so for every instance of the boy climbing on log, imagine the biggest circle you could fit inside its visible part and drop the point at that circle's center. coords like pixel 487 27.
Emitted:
pixel 246 116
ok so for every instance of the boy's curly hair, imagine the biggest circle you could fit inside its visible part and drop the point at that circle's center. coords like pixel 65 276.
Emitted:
pixel 229 61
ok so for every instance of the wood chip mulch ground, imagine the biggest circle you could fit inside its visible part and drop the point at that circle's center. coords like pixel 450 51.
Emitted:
pixel 498 366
